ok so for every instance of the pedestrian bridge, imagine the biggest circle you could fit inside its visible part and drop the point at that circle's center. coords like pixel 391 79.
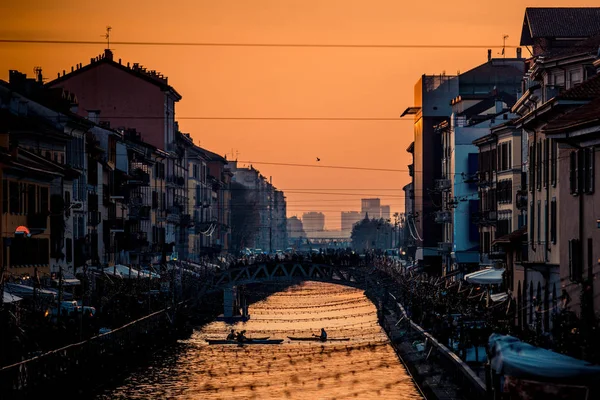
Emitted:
pixel 292 271
pixel 286 272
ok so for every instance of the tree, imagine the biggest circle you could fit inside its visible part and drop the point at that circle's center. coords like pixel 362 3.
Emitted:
pixel 245 218
pixel 371 234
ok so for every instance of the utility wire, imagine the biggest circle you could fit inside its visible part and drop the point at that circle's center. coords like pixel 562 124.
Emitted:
pixel 266 45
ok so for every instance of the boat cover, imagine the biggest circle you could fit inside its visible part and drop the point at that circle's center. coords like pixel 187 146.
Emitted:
pixel 512 357
pixel 487 276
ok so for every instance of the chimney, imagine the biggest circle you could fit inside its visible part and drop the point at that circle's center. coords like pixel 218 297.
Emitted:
pixel 518 52
pixel 489 54
pixel 39 76
pixel 63 72
pixel 72 68
pixel 108 54
pixel 119 61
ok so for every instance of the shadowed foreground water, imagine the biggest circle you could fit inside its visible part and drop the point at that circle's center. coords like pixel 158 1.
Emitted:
pixel 365 367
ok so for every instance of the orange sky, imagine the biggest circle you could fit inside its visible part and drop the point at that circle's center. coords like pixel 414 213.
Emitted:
pixel 282 82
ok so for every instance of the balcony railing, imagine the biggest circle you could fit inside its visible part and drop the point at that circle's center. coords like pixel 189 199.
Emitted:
pixel 443 184
pixel 445 247
pixel 442 217
pixel 139 178
pixel 37 221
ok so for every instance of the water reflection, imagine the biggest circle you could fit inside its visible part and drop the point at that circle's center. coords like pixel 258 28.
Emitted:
pixel 364 367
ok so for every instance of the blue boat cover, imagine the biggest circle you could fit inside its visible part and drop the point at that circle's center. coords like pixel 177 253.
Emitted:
pixel 512 357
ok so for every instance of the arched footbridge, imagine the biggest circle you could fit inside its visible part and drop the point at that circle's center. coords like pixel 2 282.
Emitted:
pixel 292 272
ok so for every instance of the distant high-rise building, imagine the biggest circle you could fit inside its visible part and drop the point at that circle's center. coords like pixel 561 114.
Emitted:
pixel 349 218
pixel 372 207
pixel 385 212
pixel 295 229
pixel 313 222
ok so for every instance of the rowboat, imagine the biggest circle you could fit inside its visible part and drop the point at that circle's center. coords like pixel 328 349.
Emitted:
pixel 253 341
pixel 318 339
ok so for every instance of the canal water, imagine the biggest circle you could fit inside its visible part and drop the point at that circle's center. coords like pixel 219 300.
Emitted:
pixel 365 367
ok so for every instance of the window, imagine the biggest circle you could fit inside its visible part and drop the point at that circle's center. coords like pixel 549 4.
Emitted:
pixel 67 204
pixel 154 199
pixel 575 260
pixel 539 222
pixel 553 220
pixel 4 196
pixel 573 186
pixel 538 166
pixel 590 255
pixel 31 197
pixel 531 167
pixel 546 162
pixel 532 223
pixel 588 173
pixel 574 78
pixel 15 198
pixel 546 216
pixel 198 196
pixel 553 160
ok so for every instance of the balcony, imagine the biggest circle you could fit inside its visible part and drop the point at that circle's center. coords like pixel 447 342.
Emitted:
pixel 37 221
pixel 139 178
pixel 485 218
pixel 139 213
pixel 443 184
pixel 411 170
pixel 177 181
pixel 445 247
pixel 497 255
pixel 173 214
pixel 442 217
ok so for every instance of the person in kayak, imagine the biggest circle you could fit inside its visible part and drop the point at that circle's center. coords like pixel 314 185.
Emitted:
pixel 241 337
pixel 323 335
pixel 231 335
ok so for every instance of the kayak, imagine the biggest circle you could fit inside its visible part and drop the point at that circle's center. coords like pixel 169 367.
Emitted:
pixel 253 341
pixel 318 339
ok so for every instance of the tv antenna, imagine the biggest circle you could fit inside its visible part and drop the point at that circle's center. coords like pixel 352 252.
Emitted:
pixel 107 36
pixel 504 37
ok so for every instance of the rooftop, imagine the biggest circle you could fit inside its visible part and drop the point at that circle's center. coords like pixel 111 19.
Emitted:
pixel 559 22
pixel 136 69
pixel 580 117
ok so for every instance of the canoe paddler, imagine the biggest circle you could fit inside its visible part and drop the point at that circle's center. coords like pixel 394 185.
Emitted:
pixel 231 335
pixel 241 337
pixel 323 335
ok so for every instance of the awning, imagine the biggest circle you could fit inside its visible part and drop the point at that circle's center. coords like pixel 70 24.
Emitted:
pixel 27 291
pixel 487 276
pixel 10 298
pixel 465 257
pixel 68 280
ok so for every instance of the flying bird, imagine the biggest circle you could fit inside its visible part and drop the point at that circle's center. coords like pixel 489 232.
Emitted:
pixel 318 159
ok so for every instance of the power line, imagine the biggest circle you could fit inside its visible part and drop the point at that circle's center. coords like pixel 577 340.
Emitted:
pixel 325 166
pixel 264 45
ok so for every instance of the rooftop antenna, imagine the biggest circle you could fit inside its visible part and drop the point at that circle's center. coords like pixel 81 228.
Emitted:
pixel 107 36
pixel 504 37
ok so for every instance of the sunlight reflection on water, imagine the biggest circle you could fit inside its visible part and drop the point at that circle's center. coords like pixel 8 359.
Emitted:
pixel 364 367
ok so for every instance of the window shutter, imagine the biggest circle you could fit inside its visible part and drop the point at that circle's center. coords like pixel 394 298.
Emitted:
pixel 590 170
pixel 553 156
pixel 553 220
pixel 573 172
